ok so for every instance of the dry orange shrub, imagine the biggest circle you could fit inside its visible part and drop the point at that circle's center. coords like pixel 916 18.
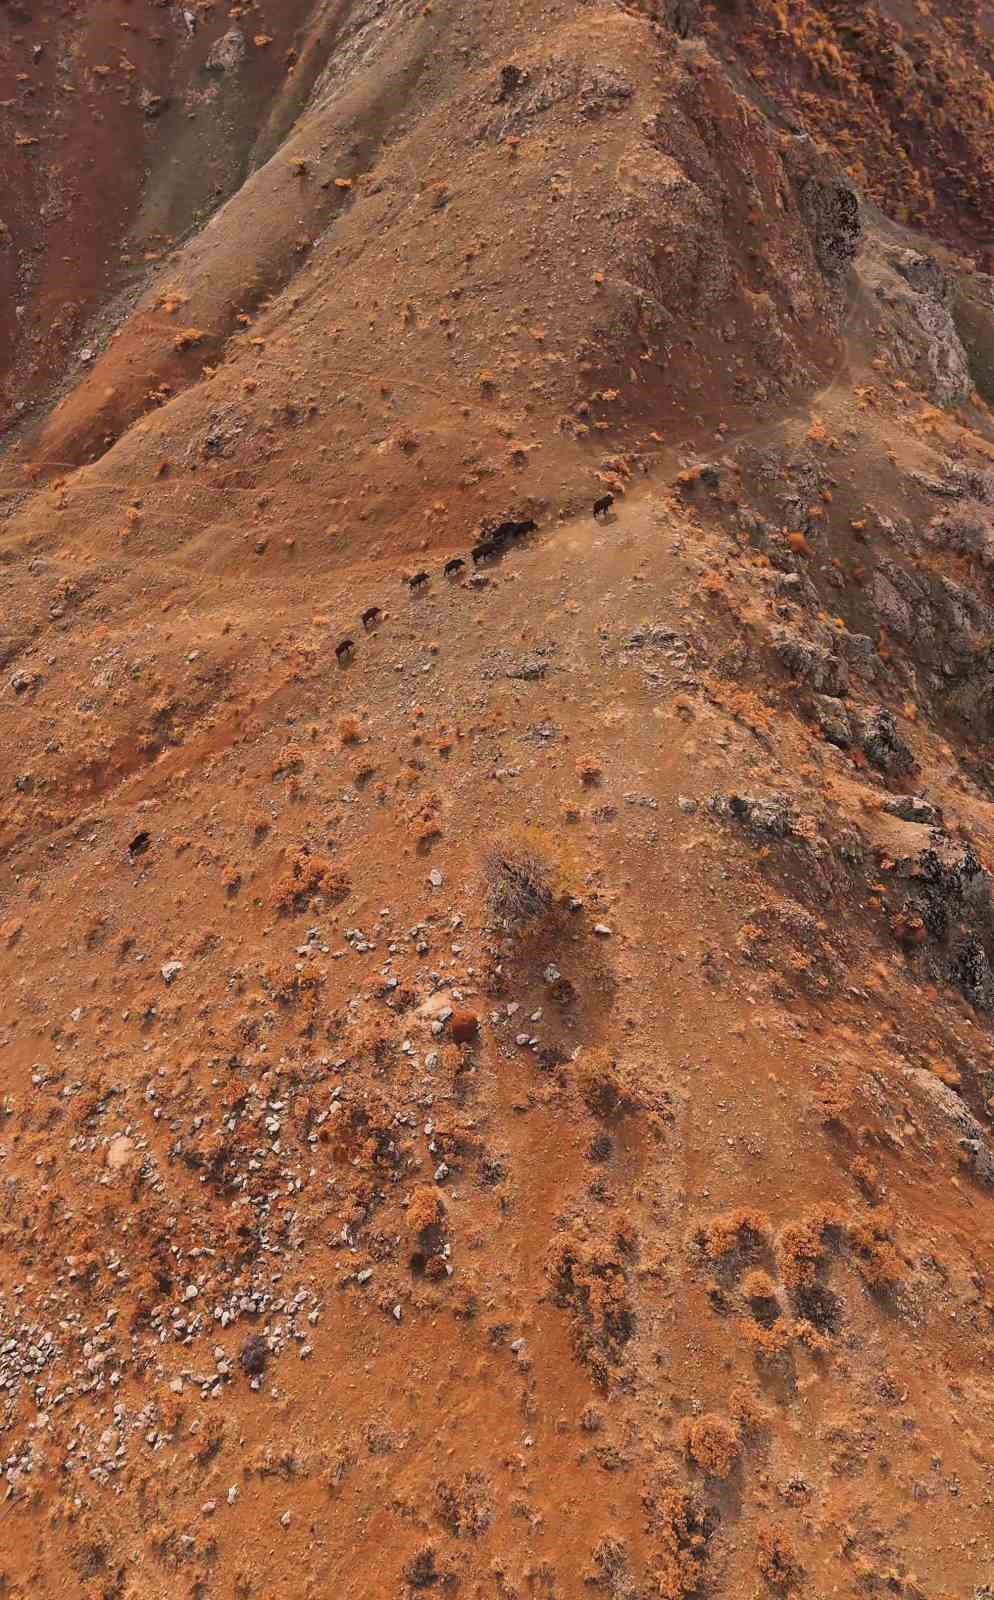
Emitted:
pixel 588 769
pixel 758 1287
pixel 712 1443
pixel 426 1210
pixel 776 1556
pixel 803 1245
pixel 768 1344
pixel 681 1528
pixel 871 1240
pixel 748 1410
pixel 743 1229
pixel 308 875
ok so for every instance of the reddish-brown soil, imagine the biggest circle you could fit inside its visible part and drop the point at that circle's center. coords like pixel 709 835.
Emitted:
pixel 496 1097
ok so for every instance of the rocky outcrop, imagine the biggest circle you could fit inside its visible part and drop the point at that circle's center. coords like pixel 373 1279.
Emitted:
pixel 913 299
pixel 829 205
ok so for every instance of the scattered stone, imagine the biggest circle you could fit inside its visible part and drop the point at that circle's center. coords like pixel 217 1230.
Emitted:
pixel 171 971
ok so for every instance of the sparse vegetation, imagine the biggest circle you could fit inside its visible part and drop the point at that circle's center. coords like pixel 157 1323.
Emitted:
pixel 416 998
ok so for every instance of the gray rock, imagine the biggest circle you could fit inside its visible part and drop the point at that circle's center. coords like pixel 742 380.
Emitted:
pixel 830 207
pixel 911 295
pixel 876 731
pixel 923 272
pixel 972 1142
pixel 227 53
pixel 769 818
pixel 809 661
pixel 171 971
pixel 833 720
pixel 913 808
pixel 978 1158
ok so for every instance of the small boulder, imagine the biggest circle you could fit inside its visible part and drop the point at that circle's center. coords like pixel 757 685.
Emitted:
pixel 465 1027
pixel 254 1356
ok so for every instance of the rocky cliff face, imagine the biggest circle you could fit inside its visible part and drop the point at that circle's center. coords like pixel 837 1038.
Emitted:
pixel 496 1042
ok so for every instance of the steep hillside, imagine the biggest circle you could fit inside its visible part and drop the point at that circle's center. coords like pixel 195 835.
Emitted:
pixel 497 1074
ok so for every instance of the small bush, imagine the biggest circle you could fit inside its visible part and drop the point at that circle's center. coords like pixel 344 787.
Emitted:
pixel 589 770
pixel 426 1210
pixel 744 1229
pixel 871 1240
pixel 682 1530
pixel 600 1084
pixel 776 1556
pixel 306 876
pixel 712 1443
pixel 518 883
pixel 188 339
pixel 748 1410
pixel 348 730
pixel 803 1246
pixel 867 1176
pixel 768 1344
pixel 759 1288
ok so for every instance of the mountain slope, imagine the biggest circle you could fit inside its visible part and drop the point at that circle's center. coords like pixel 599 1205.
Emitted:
pixel 498 1091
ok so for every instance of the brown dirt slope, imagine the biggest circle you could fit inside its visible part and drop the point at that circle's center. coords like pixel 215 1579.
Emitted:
pixel 501 1107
